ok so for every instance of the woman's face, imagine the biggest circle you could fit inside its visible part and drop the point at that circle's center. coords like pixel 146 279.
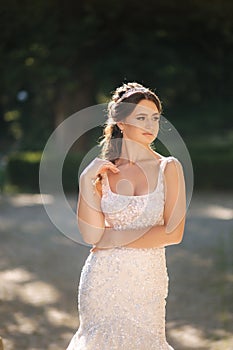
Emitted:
pixel 142 125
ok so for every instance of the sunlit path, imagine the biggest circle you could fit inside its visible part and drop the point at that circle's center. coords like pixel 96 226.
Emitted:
pixel 40 269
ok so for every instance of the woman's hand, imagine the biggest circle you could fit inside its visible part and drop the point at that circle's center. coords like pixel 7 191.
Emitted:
pixel 88 184
pixel 98 167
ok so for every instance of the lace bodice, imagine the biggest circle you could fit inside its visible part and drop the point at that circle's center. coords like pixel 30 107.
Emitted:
pixel 124 212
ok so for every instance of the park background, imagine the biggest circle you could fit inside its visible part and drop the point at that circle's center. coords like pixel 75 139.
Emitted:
pixel 58 57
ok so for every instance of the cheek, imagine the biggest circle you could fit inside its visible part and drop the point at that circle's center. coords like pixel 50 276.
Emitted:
pixel 156 126
pixel 133 130
pixel 135 127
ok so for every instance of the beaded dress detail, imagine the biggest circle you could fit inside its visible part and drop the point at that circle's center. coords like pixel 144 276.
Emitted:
pixel 122 291
pixel 133 212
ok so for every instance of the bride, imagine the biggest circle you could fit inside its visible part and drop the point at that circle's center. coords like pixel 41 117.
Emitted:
pixel 131 206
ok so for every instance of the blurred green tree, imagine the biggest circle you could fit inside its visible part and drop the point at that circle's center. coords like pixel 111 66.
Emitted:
pixel 58 57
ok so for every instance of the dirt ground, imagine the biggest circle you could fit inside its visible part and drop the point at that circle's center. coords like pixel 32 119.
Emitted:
pixel 40 270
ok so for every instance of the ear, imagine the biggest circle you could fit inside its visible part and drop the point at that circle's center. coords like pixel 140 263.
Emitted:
pixel 120 125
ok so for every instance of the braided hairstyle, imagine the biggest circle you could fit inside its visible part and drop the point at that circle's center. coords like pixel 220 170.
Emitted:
pixel 122 104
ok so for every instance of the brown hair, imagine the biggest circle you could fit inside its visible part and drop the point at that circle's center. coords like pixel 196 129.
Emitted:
pixel 122 104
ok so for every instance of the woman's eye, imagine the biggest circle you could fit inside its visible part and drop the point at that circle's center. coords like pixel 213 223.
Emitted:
pixel 141 117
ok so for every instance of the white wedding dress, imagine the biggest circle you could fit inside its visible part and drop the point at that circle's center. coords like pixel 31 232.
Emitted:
pixel 122 291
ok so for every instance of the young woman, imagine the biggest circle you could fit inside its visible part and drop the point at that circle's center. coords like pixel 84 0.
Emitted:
pixel 131 205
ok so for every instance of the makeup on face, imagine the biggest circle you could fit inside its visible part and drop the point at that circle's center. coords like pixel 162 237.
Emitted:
pixel 146 119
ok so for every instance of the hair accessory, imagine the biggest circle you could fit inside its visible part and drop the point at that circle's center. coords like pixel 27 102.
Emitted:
pixel 133 90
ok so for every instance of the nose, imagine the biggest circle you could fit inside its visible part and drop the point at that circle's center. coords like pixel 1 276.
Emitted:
pixel 148 124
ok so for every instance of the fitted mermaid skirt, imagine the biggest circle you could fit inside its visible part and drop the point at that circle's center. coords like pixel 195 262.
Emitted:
pixel 121 300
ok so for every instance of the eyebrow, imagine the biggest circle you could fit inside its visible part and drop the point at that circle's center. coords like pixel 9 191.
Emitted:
pixel 145 114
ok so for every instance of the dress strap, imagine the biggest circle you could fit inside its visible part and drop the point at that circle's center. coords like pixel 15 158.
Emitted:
pixel 166 160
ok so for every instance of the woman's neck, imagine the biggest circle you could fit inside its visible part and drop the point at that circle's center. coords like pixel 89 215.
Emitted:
pixel 133 152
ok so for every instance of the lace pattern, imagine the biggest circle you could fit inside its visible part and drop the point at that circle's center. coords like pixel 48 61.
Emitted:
pixel 122 299
pixel 133 212
pixel 122 291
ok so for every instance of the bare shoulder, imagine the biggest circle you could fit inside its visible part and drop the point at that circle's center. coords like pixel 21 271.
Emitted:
pixel 172 163
pixel 159 157
pixel 173 170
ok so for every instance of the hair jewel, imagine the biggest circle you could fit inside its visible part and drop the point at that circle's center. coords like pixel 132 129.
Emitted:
pixel 133 90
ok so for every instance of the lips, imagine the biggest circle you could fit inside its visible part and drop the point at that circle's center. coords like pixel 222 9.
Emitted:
pixel 147 134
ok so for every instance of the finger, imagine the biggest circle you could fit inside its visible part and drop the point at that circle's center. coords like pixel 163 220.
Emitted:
pixel 110 167
pixel 114 170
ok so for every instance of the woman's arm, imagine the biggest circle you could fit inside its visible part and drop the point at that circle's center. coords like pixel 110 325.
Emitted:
pixel 175 202
pixel 174 214
pixel 91 221
pixel 89 215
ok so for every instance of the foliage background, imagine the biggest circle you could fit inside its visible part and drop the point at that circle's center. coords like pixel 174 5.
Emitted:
pixel 58 57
